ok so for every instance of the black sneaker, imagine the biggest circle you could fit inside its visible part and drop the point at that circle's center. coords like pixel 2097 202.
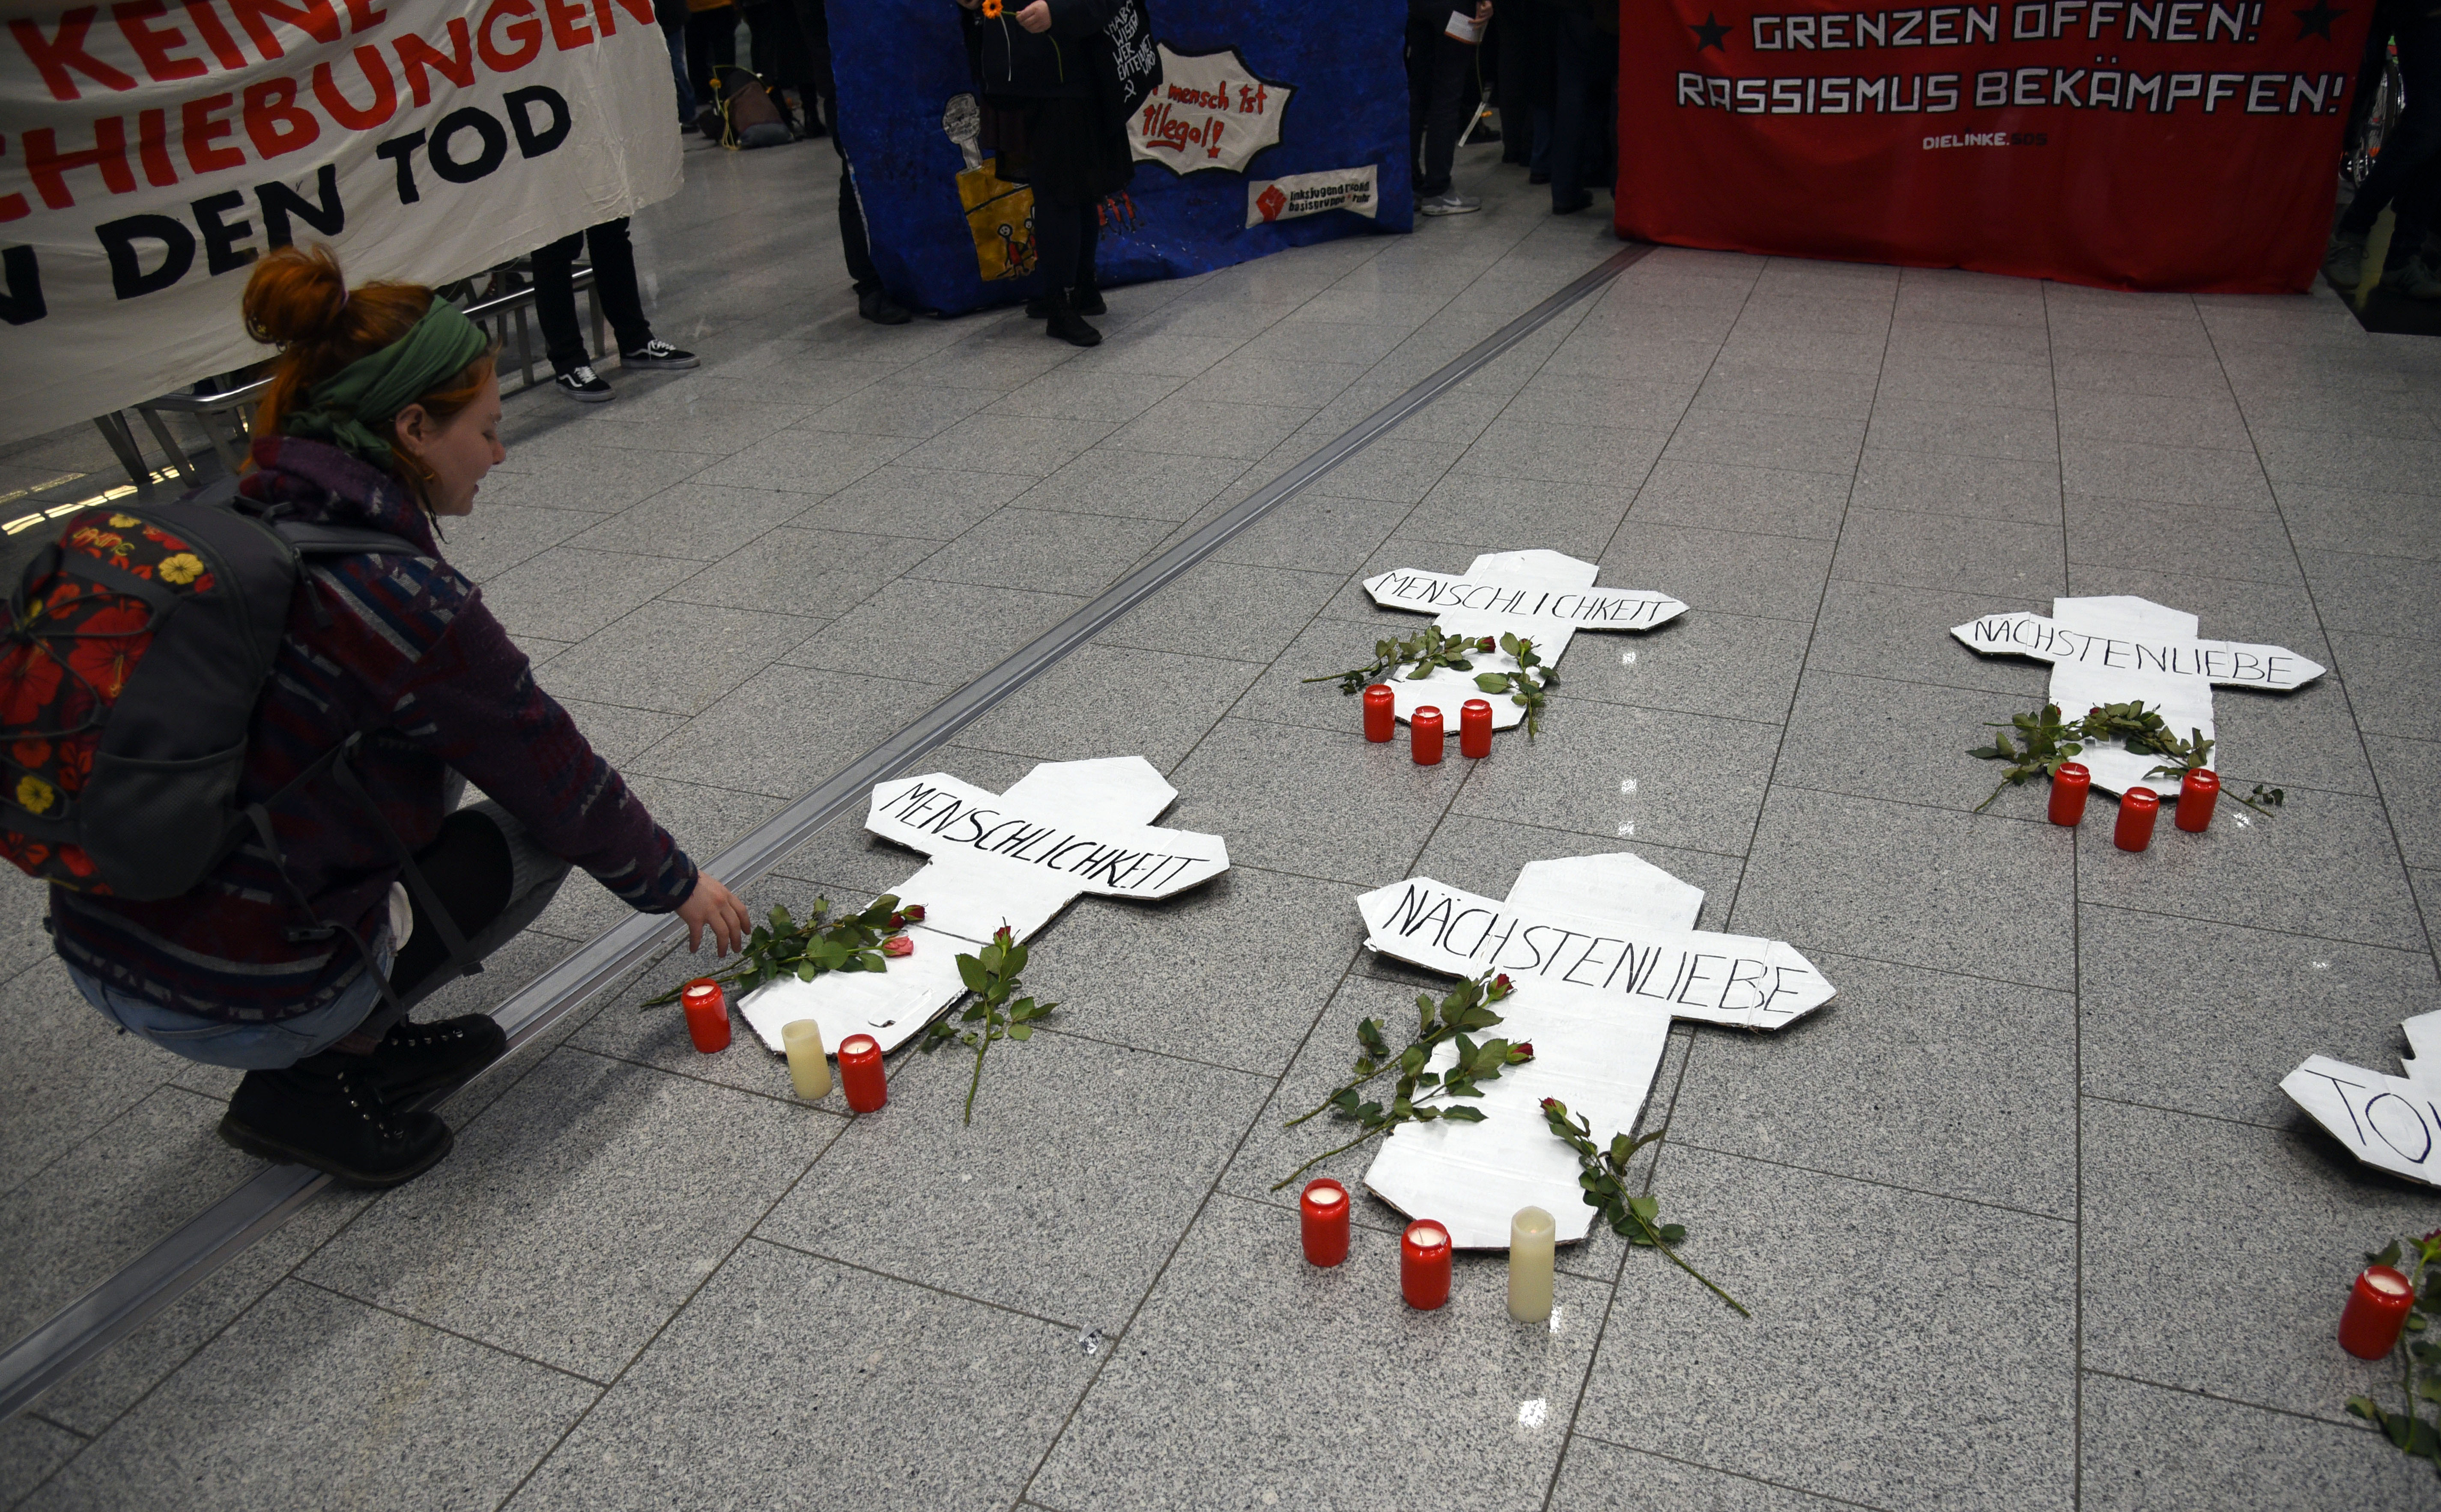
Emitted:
pixel 334 1121
pixel 878 307
pixel 417 1059
pixel 583 384
pixel 657 354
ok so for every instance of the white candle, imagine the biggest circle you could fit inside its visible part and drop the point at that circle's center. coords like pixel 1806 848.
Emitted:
pixel 1530 1265
pixel 807 1066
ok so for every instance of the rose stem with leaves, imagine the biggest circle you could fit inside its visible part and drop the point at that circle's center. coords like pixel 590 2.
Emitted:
pixel 991 975
pixel 1636 1220
pixel 1464 1008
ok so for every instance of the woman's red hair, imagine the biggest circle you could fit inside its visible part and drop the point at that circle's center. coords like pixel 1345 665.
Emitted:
pixel 298 300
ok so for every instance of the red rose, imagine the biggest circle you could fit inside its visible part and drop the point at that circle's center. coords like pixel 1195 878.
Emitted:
pixel 1524 1051
pixel 1488 643
pixel 897 945
pixel 913 912
pixel 1551 1102
pixel 1002 936
pixel 898 921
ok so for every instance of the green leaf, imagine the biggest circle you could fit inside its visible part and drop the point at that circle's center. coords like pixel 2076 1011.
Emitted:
pixel 1020 1031
pixel 1461 1115
pixel 1491 681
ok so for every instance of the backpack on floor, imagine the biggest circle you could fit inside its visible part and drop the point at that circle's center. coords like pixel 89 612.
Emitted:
pixel 138 645
pixel 749 115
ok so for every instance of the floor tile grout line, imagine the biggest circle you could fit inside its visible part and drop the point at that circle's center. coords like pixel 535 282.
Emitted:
pixel 1739 1475
pixel 2076 1049
pixel 1610 1303
pixel 2313 600
pixel 2342 1424
pixel 487 1345
pixel 2191 920
pixel 1064 1324
pixel 668 1318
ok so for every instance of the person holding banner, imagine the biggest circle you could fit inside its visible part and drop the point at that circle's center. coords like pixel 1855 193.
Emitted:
pixel 1055 112
pixel 297 965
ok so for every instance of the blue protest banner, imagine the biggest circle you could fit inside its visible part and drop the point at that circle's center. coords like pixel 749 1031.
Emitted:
pixel 1274 126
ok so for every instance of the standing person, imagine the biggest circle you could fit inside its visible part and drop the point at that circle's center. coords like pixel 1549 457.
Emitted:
pixel 1584 114
pixel 1055 113
pixel 2413 143
pixel 1441 70
pixel 873 301
pixel 1526 86
pixel 710 45
pixel 672 17
pixel 614 284
pixel 297 958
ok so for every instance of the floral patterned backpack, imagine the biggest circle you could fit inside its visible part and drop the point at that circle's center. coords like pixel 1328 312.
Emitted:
pixel 136 647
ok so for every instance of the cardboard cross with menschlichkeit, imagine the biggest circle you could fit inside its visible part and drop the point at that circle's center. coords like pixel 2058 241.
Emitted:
pixel 1544 596
pixel 1013 858
pixel 2390 1122
pixel 1603 953
pixel 2114 649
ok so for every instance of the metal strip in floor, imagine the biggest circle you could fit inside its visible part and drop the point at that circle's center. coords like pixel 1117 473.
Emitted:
pixel 260 1205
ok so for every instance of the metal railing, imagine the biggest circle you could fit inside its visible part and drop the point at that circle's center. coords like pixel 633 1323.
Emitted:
pixel 224 418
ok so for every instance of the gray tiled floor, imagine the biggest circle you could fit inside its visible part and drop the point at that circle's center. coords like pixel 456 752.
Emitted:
pixel 2022 1218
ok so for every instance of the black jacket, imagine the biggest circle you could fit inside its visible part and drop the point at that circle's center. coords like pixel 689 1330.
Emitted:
pixel 1072 58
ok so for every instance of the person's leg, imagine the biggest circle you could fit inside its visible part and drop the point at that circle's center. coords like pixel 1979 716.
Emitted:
pixel 671 15
pixel 1059 239
pixel 854 246
pixel 1453 100
pixel 554 302
pixel 2418 133
pixel 614 284
pixel 1085 288
pixel 1420 95
pixel 2407 268
pixel 1570 126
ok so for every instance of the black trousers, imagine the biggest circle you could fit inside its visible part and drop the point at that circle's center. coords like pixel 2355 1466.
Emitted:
pixel 1524 73
pixel 710 39
pixel 1441 70
pixel 614 284
pixel 491 879
pixel 1585 113
pixel 1064 239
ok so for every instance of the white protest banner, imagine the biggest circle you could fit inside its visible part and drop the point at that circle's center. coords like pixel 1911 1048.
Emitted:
pixel 150 150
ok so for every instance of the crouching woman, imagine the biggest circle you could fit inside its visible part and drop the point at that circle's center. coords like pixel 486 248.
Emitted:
pixel 297 962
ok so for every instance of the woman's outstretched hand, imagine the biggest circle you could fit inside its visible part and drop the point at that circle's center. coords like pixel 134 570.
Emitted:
pixel 714 908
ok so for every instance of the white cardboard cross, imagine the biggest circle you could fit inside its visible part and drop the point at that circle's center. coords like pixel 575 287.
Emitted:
pixel 2109 649
pixel 1603 952
pixel 1542 596
pixel 1013 858
pixel 2390 1122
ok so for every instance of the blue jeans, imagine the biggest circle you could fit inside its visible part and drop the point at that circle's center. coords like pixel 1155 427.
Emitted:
pixel 243 1046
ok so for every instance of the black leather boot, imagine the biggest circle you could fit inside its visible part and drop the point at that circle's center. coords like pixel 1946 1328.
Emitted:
pixel 334 1120
pixel 1066 324
pixel 417 1059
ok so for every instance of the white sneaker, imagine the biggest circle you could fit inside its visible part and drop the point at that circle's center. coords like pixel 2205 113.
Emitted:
pixel 656 353
pixel 583 384
pixel 1452 203
pixel 2417 279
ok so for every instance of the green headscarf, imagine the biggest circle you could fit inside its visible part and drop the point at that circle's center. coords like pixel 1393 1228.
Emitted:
pixel 344 408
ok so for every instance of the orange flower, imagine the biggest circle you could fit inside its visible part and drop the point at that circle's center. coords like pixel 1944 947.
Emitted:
pixel 30 753
pixel 30 679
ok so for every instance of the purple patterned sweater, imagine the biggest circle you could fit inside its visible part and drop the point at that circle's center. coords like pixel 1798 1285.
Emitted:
pixel 402 650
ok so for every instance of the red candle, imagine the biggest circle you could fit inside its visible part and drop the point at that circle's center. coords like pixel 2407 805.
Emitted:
pixel 1424 1265
pixel 2197 795
pixel 1424 736
pixel 2137 808
pixel 2376 1311
pixel 707 1015
pixel 1380 713
pixel 2070 785
pixel 1323 1212
pixel 1475 729
pixel 859 1066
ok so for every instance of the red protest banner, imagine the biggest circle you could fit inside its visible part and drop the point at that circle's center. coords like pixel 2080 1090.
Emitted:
pixel 2179 144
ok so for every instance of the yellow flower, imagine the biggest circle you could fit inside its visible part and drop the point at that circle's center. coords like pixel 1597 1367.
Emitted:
pixel 125 521
pixel 34 795
pixel 183 567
